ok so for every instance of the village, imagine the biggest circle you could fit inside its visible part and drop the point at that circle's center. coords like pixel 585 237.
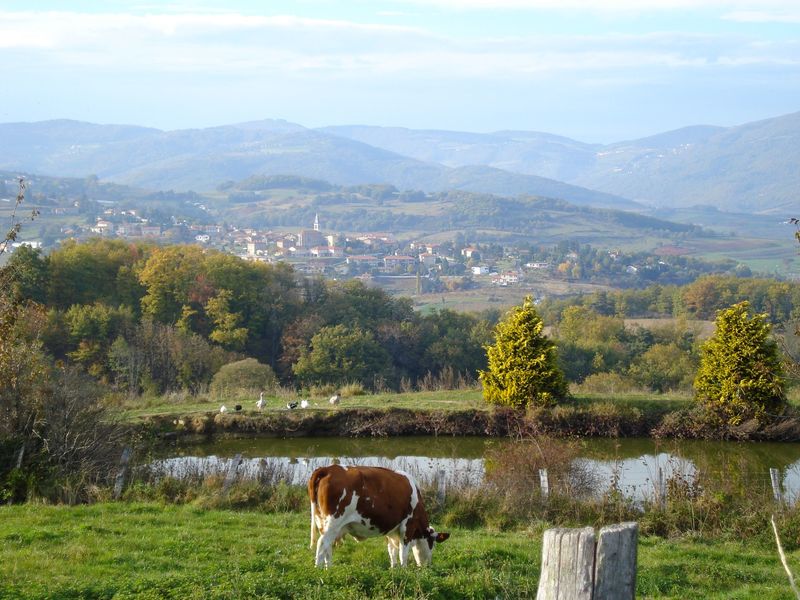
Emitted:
pixel 311 251
pixel 439 263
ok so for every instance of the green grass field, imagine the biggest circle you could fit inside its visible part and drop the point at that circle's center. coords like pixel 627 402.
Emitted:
pixel 162 551
pixel 445 400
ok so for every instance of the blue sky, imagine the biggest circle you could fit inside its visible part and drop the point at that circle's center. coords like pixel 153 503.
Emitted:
pixel 594 70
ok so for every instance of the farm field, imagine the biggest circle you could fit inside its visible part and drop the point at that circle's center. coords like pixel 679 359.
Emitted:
pixel 149 550
pixel 499 298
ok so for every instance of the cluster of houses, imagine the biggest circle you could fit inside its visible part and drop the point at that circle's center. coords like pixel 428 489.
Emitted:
pixel 310 251
pixel 313 251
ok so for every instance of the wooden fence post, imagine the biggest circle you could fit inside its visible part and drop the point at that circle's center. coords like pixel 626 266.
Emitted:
pixel 119 482
pixel 661 488
pixel 574 567
pixel 544 483
pixel 615 562
pixel 231 476
pixel 567 564
pixel 441 487
pixel 777 489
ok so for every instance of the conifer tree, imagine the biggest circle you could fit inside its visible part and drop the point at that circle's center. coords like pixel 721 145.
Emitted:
pixel 522 369
pixel 740 375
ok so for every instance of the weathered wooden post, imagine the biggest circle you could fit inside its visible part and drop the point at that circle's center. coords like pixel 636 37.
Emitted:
pixel 574 567
pixel 567 564
pixel 661 488
pixel 441 487
pixel 231 475
pixel 119 482
pixel 777 489
pixel 615 562
pixel 544 483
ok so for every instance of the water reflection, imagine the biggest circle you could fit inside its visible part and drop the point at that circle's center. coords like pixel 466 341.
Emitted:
pixel 296 471
pixel 631 464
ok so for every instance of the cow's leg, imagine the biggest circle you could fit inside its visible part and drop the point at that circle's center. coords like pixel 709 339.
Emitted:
pixel 321 551
pixel 404 548
pixel 393 546
pixel 325 546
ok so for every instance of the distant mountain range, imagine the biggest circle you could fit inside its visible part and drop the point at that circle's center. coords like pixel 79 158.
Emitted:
pixel 201 159
pixel 751 168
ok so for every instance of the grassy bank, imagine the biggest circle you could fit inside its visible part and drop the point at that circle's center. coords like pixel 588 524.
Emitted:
pixel 446 412
pixel 149 550
pixel 450 412
pixel 184 404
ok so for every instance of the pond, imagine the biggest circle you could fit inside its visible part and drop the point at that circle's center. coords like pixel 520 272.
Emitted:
pixel 632 463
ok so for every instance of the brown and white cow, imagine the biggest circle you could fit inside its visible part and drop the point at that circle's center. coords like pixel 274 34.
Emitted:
pixel 369 502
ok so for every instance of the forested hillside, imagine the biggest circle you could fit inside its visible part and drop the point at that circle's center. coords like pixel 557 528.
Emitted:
pixel 147 318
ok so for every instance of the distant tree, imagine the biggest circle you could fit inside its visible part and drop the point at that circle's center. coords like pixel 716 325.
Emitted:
pixel 91 328
pixel 170 276
pixel 457 342
pixel 589 343
pixel 664 367
pixel 226 331
pixel 740 374
pixel 522 365
pixel 339 355
pixel 27 275
pixel 98 270
pixel 160 358
pixel 247 374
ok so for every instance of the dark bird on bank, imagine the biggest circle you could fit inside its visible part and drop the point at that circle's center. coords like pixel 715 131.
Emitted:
pixel 237 408
pixel 291 405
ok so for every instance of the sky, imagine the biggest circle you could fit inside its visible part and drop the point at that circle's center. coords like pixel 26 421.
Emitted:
pixel 593 70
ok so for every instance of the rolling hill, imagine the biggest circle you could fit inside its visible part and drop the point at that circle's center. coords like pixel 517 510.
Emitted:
pixel 747 168
pixel 200 159
pixel 751 168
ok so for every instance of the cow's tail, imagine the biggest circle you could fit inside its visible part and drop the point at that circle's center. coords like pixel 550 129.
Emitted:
pixel 313 486
pixel 313 526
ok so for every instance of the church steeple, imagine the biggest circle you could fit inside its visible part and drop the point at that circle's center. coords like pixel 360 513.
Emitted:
pixel 316 221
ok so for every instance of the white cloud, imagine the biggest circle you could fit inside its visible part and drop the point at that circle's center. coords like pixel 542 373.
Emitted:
pixel 634 6
pixel 238 45
pixel 760 16
pixel 73 28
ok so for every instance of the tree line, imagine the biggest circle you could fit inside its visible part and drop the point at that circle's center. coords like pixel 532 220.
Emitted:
pixel 154 319
pixel 150 318
pixel 700 299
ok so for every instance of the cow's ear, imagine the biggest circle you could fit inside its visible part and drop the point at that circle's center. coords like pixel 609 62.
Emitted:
pixel 440 537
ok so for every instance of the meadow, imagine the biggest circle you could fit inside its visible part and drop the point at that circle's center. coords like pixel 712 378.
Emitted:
pixel 153 550
pixel 466 399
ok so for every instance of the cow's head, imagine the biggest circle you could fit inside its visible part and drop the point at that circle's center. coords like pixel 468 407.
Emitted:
pixel 423 547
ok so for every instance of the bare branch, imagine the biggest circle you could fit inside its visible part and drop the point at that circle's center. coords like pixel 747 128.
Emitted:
pixel 16 223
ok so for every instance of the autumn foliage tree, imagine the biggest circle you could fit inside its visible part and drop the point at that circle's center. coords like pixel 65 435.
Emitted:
pixel 740 375
pixel 522 367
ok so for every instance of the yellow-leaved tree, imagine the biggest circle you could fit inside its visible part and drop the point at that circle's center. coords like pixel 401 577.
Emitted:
pixel 740 375
pixel 522 370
